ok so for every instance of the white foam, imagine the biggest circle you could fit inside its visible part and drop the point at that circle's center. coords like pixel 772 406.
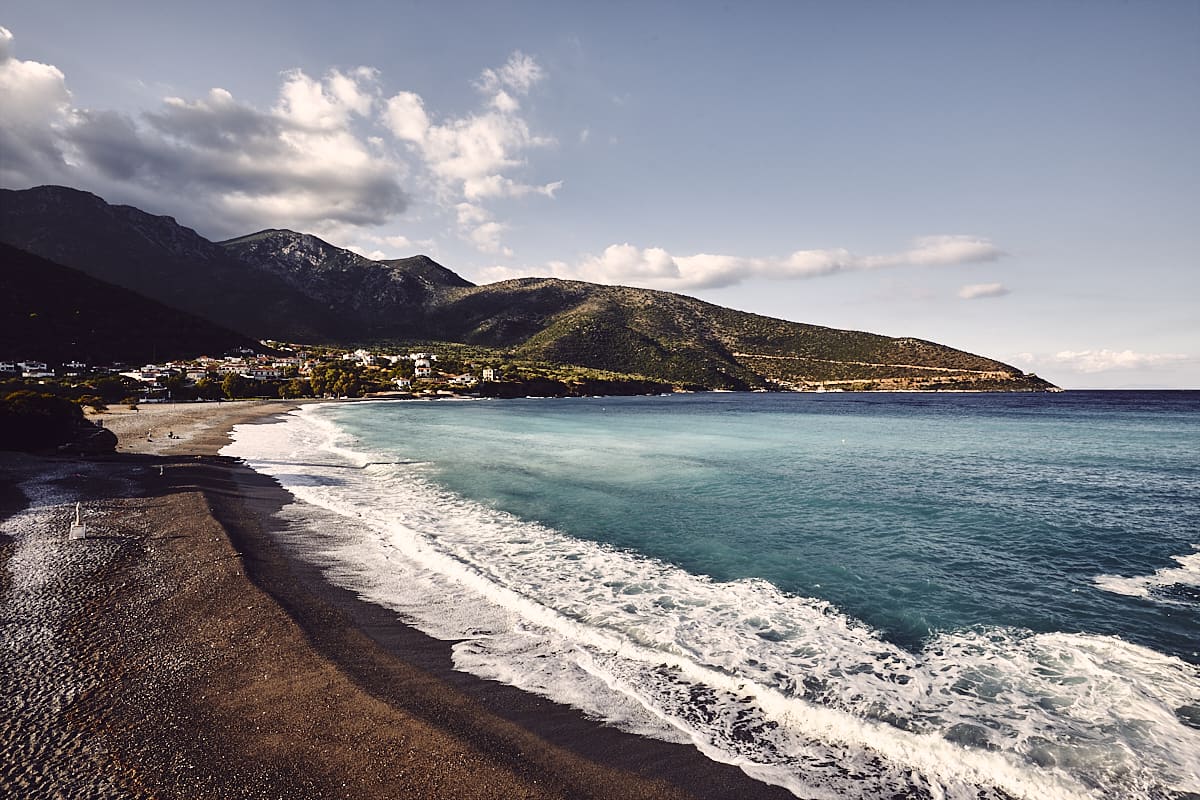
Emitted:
pixel 788 688
pixel 1164 585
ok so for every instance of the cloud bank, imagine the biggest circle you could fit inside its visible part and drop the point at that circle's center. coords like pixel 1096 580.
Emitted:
pixel 654 267
pixel 331 154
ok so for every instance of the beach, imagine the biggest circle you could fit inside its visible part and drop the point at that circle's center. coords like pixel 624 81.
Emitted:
pixel 177 651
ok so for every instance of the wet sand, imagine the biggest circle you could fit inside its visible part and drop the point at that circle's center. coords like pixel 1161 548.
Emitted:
pixel 180 652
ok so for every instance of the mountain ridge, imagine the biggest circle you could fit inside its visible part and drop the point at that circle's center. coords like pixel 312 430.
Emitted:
pixel 282 284
pixel 157 257
pixel 49 313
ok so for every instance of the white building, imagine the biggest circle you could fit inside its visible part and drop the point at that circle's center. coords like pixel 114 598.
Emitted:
pixel 35 369
pixel 147 374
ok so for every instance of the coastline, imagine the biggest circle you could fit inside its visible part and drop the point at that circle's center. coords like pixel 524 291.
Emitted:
pixel 200 660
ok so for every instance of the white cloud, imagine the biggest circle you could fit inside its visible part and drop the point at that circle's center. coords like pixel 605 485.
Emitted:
pixel 935 251
pixel 1103 360
pixel 471 157
pixel 328 155
pixel 470 215
pixel 486 238
pixel 975 291
pixel 326 105
pixel 298 164
pixel 399 242
pixel 505 102
pixel 499 186
pixel 656 268
pixel 399 246
pixel 374 255
pixel 36 105
pixel 519 74
pixel 405 116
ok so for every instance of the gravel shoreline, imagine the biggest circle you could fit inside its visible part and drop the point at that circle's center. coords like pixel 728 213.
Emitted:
pixel 179 652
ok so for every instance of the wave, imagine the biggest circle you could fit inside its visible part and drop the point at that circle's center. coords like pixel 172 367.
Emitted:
pixel 1172 586
pixel 790 689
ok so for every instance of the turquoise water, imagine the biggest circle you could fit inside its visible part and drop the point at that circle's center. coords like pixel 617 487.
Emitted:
pixel 941 592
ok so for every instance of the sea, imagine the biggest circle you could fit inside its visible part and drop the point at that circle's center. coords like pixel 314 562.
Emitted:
pixel 845 594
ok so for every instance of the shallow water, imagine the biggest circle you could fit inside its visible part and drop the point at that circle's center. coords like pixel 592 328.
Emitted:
pixel 844 594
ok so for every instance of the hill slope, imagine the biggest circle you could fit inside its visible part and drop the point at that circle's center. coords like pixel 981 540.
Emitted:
pixel 161 259
pixel 681 339
pixel 369 292
pixel 57 313
pixel 286 285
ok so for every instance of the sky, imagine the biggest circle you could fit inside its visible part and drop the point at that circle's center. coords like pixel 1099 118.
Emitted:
pixel 1019 180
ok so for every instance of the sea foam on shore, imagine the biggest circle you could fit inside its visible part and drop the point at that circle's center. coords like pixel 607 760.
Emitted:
pixel 788 688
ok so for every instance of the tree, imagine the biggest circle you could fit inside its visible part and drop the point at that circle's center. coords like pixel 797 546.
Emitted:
pixel 208 389
pixel 93 402
pixel 337 379
pixel 178 388
pixel 112 388
pixel 296 387
pixel 236 386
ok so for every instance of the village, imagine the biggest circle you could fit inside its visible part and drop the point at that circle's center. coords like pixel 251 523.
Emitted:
pixel 280 370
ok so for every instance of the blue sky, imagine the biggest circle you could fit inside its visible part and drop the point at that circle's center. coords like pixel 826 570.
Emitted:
pixel 1015 179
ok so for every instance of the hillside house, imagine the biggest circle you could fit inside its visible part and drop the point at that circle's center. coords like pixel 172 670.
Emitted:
pixel 148 374
pixel 492 374
pixel 35 369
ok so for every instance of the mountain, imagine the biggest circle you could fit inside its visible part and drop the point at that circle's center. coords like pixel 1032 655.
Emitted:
pixel 687 341
pixel 369 292
pixel 293 286
pixel 161 259
pixel 57 314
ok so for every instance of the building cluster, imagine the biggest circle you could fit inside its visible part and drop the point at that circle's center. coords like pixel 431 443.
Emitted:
pixel 250 364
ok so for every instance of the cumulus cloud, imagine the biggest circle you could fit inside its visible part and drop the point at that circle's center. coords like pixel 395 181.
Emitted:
pixel 975 291
pixel 300 163
pixel 656 268
pixel 328 156
pixel 36 106
pixel 1103 360
pixel 519 74
pixel 406 116
pixel 471 156
pixel 487 238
